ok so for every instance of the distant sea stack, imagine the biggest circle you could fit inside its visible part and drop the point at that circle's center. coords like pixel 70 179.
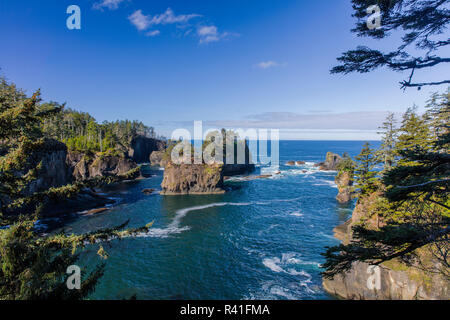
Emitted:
pixel 331 162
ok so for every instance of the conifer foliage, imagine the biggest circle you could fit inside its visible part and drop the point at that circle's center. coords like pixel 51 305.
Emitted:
pixel 33 266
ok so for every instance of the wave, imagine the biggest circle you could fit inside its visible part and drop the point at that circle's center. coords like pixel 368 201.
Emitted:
pixel 323 182
pixel 174 226
pixel 284 265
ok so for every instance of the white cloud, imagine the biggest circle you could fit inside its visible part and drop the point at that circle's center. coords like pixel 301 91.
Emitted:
pixel 206 34
pixel 169 17
pixel 140 21
pixel 211 34
pixel 143 22
pixel 269 64
pixel 361 120
pixel 153 33
pixel 108 4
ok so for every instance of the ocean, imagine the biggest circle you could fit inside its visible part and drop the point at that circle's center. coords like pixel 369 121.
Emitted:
pixel 262 240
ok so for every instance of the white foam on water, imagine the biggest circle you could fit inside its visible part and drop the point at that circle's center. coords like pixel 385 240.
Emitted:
pixel 273 264
pixel 296 214
pixel 174 226
pixel 283 265
pixel 323 182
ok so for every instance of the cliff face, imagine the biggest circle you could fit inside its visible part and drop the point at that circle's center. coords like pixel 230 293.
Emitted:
pixel 394 284
pixel 142 147
pixel 54 169
pixel 199 179
pixel 157 158
pixel 344 182
pixel 84 167
pixel 395 279
pixel 192 179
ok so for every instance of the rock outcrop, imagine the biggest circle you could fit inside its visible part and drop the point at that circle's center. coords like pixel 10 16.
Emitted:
pixel 199 178
pixel 54 170
pixel 158 158
pixel 331 162
pixel 192 179
pixel 86 166
pixel 393 279
pixel 344 182
pixel 295 163
pixel 395 283
pixel 142 147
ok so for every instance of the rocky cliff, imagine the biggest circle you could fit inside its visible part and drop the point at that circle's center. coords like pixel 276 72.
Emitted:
pixel 54 171
pixel 344 182
pixel 192 179
pixel 199 179
pixel 158 158
pixel 86 166
pixel 142 147
pixel 393 279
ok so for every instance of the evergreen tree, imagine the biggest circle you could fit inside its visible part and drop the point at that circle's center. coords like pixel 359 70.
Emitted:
pixel 414 132
pixel 386 154
pixel 34 266
pixel 422 26
pixel 365 176
pixel 415 204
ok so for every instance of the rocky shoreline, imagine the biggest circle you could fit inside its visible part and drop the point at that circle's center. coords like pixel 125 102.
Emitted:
pixel 397 281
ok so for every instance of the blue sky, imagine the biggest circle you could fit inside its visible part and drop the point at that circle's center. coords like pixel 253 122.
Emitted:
pixel 234 63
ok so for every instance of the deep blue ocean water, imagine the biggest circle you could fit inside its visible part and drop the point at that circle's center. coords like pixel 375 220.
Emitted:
pixel 262 240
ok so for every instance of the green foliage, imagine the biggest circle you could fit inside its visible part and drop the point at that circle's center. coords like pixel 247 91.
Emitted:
pixel 346 164
pixel 421 26
pixel 412 200
pixel 389 134
pixel 34 266
pixel 81 133
pixel 365 175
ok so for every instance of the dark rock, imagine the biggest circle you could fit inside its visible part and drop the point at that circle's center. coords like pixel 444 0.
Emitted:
pixel 54 169
pixel 300 163
pixel 148 191
pixel 83 201
pixel 331 163
pixel 87 166
pixel 290 163
pixel 320 164
pixel 142 147
pixel 157 159
pixel 230 170
pixel 110 166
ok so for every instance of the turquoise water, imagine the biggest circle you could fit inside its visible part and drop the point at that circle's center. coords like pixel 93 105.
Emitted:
pixel 260 241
